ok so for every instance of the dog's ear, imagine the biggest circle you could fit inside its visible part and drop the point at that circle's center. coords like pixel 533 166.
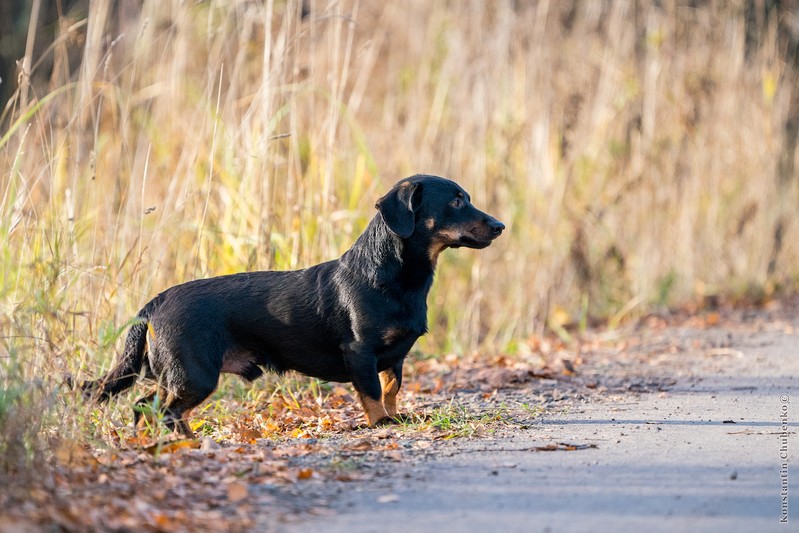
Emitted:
pixel 399 206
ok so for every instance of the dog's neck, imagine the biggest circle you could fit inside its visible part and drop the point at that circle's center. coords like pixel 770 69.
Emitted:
pixel 384 258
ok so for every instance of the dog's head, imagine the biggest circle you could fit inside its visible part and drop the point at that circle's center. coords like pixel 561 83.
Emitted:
pixel 438 212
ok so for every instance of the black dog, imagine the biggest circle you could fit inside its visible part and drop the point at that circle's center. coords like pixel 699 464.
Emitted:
pixel 353 319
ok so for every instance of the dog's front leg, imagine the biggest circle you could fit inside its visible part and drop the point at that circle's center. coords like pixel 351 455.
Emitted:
pixel 363 372
pixel 391 380
pixel 375 411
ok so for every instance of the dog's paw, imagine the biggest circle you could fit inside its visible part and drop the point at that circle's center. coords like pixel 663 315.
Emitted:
pixel 385 421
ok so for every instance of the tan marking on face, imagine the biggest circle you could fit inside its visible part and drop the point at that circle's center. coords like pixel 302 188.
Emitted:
pixel 449 234
pixel 430 222
pixel 373 409
pixel 390 384
pixel 405 184
pixel 436 248
pixel 441 241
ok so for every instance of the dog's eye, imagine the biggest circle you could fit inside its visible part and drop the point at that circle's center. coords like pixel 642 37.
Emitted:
pixel 457 203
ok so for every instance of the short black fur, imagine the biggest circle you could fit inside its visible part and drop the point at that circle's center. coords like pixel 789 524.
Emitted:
pixel 349 320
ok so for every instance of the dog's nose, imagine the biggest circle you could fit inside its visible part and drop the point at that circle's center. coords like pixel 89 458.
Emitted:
pixel 495 226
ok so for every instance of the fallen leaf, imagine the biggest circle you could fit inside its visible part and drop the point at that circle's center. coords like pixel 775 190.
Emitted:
pixel 392 445
pixel 394 455
pixel 387 498
pixel 305 473
pixel 301 433
pixel 246 433
pixel 361 445
pixel 162 520
pixel 384 433
pixel 71 453
pixel 172 447
pixel 237 491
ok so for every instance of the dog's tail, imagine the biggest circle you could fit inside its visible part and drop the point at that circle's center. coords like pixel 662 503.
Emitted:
pixel 129 364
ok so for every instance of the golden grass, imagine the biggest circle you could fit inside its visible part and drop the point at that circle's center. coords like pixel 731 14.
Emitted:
pixel 629 150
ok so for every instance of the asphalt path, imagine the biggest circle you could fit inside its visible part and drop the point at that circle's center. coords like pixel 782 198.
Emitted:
pixel 713 450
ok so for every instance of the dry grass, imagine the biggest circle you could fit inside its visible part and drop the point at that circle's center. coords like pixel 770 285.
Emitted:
pixel 629 150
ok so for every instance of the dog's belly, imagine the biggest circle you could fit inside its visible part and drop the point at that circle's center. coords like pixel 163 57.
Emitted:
pixel 326 363
pixel 237 361
pixel 241 362
pixel 320 357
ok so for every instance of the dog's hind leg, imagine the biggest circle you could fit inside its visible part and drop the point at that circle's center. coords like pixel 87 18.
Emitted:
pixel 160 400
pixel 142 404
pixel 179 424
pixel 175 414
pixel 179 403
pixel 178 407
pixel 187 367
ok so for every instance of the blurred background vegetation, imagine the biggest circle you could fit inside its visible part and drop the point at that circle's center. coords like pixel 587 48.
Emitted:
pixel 641 153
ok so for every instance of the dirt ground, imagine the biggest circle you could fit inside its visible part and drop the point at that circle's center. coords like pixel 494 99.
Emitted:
pixel 673 424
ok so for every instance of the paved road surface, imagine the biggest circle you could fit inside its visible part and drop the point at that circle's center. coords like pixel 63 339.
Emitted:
pixel 704 455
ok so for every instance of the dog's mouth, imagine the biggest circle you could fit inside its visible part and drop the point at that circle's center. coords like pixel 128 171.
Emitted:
pixel 478 239
pixel 470 241
pixel 478 236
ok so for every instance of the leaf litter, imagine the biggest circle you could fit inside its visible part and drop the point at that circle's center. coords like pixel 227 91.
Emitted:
pixel 268 459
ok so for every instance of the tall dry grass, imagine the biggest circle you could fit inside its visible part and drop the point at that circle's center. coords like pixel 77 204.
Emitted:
pixel 629 148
